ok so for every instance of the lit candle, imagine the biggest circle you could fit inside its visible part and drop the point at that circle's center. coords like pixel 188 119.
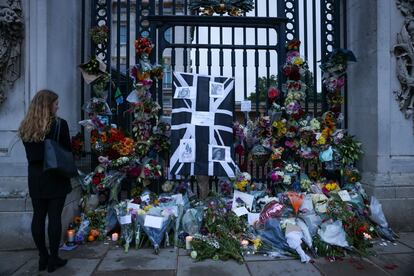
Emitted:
pixel 114 236
pixel 71 235
pixel 244 243
pixel 188 240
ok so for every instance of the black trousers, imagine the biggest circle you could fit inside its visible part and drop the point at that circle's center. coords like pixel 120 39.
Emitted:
pixel 53 208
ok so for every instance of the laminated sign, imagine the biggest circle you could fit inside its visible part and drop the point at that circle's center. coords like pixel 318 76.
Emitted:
pixel 202 125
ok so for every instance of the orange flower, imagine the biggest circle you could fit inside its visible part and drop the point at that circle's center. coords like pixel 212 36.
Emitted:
pixel 124 151
pixel 77 220
pixel 128 142
pixel 103 137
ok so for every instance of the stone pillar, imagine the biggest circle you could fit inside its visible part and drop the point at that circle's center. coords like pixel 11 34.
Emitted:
pixel 50 55
pixel 374 116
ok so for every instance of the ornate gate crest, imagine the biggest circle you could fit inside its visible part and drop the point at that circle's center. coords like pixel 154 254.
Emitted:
pixel 11 36
pixel 404 53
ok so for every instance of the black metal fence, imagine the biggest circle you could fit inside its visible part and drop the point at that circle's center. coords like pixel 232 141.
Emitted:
pixel 250 48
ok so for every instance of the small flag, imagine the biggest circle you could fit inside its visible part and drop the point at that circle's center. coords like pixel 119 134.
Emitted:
pixel 118 97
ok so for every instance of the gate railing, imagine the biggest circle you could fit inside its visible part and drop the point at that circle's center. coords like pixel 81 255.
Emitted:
pixel 319 24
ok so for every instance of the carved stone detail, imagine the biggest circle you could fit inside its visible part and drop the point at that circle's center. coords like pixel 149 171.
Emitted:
pixel 404 53
pixel 11 36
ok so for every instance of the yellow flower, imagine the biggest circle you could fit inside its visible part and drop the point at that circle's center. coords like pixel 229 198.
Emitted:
pixel 298 61
pixel 257 243
pixel 148 207
pixel 321 140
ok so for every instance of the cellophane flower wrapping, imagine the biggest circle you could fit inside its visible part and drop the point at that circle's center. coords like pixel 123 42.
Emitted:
pixel 125 220
pixel 156 235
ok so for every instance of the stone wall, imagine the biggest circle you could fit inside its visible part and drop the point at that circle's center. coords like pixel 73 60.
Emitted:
pixel 374 116
pixel 51 53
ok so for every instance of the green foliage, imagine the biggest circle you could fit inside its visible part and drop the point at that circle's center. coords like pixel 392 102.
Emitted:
pixel 262 87
pixel 350 150
pixel 224 228
pixel 325 249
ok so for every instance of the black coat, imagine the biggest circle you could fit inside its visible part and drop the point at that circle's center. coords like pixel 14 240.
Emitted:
pixel 47 184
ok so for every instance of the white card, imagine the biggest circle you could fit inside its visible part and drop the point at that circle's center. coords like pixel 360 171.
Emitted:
pixel 246 106
pixel 185 92
pixel 240 211
pixel 219 153
pixel 202 118
pixel 178 199
pixel 253 217
pixel 216 90
pixel 145 198
pixel 133 206
pixel 248 199
pixel 153 221
pixel 133 97
pixel 344 195
pixel 187 151
pixel 125 219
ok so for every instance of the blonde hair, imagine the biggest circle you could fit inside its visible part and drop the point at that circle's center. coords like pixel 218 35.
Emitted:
pixel 39 117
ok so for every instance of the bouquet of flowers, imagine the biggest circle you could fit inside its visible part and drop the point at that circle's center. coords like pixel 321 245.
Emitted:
pixel 97 106
pixel 99 34
pixel 125 220
pixel 143 46
pixel 242 181
pixel 152 170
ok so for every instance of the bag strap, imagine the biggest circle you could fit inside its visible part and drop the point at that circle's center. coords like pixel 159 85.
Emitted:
pixel 57 130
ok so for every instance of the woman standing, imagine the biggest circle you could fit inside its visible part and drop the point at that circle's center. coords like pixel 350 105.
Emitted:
pixel 47 190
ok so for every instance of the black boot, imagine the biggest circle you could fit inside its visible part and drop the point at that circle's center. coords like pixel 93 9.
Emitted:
pixel 43 262
pixel 54 263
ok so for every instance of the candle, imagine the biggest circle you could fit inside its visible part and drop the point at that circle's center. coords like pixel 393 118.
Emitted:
pixel 114 236
pixel 188 240
pixel 71 235
pixel 244 243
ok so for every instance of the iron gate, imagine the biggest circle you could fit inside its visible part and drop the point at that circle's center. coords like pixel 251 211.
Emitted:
pixel 250 47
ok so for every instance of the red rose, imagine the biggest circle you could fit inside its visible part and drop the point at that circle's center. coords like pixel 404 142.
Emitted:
pixel 96 180
pixel 273 93
pixel 134 172
pixel 239 149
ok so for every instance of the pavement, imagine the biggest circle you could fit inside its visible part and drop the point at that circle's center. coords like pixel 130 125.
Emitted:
pixel 106 259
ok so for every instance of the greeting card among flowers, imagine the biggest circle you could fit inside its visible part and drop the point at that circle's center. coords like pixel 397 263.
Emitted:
pixel 202 125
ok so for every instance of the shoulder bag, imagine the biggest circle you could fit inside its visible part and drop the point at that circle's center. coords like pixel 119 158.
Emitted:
pixel 56 158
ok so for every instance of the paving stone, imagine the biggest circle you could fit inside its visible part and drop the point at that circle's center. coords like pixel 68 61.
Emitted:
pixel 11 261
pixel 12 204
pixel 282 267
pixel 182 252
pixel 348 266
pixel 94 250
pixel 262 257
pixel 390 248
pixel 135 273
pixel 78 267
pixel 141 259
pixel 396 264
pixel 188 267
pixel 407 239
